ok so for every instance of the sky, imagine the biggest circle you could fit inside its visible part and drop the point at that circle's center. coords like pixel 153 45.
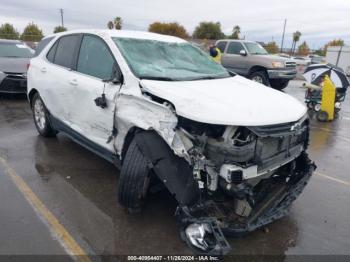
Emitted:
pixel 318 21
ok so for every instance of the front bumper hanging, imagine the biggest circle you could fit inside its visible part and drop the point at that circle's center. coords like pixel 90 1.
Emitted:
pixel 204 232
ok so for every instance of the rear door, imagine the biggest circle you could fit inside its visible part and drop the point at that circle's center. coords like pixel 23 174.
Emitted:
pixel 94 64
pixel 56 74
pixel 232 59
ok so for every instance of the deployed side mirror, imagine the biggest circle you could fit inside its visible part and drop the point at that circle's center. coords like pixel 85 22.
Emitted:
pixel 243 52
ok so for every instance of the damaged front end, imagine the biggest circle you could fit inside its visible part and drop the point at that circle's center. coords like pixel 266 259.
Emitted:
pixel 247 177
pixel 227 180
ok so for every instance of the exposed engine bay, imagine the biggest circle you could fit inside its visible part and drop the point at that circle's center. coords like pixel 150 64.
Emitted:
pixel 241 178
pixel 244 173
pixel 227 180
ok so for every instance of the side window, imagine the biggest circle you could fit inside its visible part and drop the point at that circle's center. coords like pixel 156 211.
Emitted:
pixel 222 46
pixel 234 48
pixel 51 54
pixel 95 58
pixel 42 44
pixel 65 50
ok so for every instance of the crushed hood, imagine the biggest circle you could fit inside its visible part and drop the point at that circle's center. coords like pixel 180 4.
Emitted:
pixel 228 101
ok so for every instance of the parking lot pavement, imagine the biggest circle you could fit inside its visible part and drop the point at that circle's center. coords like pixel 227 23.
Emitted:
pixel 80 190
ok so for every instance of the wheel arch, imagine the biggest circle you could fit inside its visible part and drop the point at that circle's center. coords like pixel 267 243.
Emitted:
pixel 31 95
pixel 128 138
pixel 257 68
pixel 174 171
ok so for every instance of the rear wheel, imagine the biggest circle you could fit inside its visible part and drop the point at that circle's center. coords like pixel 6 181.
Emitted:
pixel 260 77
pixel 322 116
pixel 279 84
pixel 134 179
pixel 41 117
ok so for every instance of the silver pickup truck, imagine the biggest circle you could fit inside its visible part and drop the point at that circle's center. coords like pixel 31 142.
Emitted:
pixel 250 59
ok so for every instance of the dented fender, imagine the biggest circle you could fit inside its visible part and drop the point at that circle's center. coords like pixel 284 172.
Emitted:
pixel 133 111
pixel 174 171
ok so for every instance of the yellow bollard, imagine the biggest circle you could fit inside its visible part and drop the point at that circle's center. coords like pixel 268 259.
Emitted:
pixel 328 100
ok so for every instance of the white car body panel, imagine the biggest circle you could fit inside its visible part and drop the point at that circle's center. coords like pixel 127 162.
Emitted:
pixel 228 101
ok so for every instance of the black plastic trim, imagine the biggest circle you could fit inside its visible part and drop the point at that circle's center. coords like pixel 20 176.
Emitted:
pixel 85 142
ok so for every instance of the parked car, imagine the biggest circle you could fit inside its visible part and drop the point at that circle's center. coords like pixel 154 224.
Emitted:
pixel 14 58
pixel 301 61
pixel 316 59
pixel 231 151
pixel 250 59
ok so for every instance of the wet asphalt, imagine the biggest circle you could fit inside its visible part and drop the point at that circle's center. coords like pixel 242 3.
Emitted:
pixel 80 189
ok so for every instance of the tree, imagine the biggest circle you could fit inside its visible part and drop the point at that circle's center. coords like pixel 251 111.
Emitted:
pixel 335 42
pixel 320 52
pixel 59 29
pixel 110 25
pixel 236 31
pixel 208 30
pixel 118 22
pixel 32 33
pixel 173 29
pixel 7 31
pixel 296 38
pixel 303 49
pixel 272 47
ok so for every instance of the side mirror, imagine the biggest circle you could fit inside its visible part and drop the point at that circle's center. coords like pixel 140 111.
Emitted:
pixel 117 76
pixel 243 52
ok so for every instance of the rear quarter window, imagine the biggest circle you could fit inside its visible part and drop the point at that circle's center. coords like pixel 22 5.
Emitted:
pixel 65 50
pixel 42 44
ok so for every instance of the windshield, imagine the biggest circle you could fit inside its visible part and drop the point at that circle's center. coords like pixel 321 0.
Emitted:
pixel 17 50
pixel 255 49
pixel 150 59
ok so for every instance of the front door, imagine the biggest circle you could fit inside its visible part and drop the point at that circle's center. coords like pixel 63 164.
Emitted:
pixel 233 60
pixel 95 63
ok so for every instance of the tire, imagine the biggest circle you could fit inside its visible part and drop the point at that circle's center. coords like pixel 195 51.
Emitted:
pixel 41 117
pixel 260 77
pixel 279 84
pixel 322 116
pixel 317 107
pixel 310 105
pixel 134 179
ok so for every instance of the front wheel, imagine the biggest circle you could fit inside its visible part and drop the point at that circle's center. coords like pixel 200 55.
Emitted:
pixel 134 179
pixel 41 117
pixel 260 77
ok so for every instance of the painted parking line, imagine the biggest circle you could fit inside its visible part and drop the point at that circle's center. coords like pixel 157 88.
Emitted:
pixel 63 236
pixel 333 178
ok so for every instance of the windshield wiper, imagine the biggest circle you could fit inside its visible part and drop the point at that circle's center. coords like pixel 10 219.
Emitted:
pixel 159 78
pixel 209 77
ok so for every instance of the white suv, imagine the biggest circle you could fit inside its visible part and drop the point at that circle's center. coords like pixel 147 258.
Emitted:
pixel 231 151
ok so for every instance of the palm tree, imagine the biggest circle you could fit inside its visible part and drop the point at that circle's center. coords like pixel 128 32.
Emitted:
pixel 118 23
pixel 110 25
pixel 296 38
pixel 236 32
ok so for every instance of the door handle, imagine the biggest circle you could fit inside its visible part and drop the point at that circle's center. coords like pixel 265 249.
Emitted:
pixel 73 82
pixel 43 70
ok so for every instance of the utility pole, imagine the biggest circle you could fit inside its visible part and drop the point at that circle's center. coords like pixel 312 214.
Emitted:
pixel 284 30
pixel 61 11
